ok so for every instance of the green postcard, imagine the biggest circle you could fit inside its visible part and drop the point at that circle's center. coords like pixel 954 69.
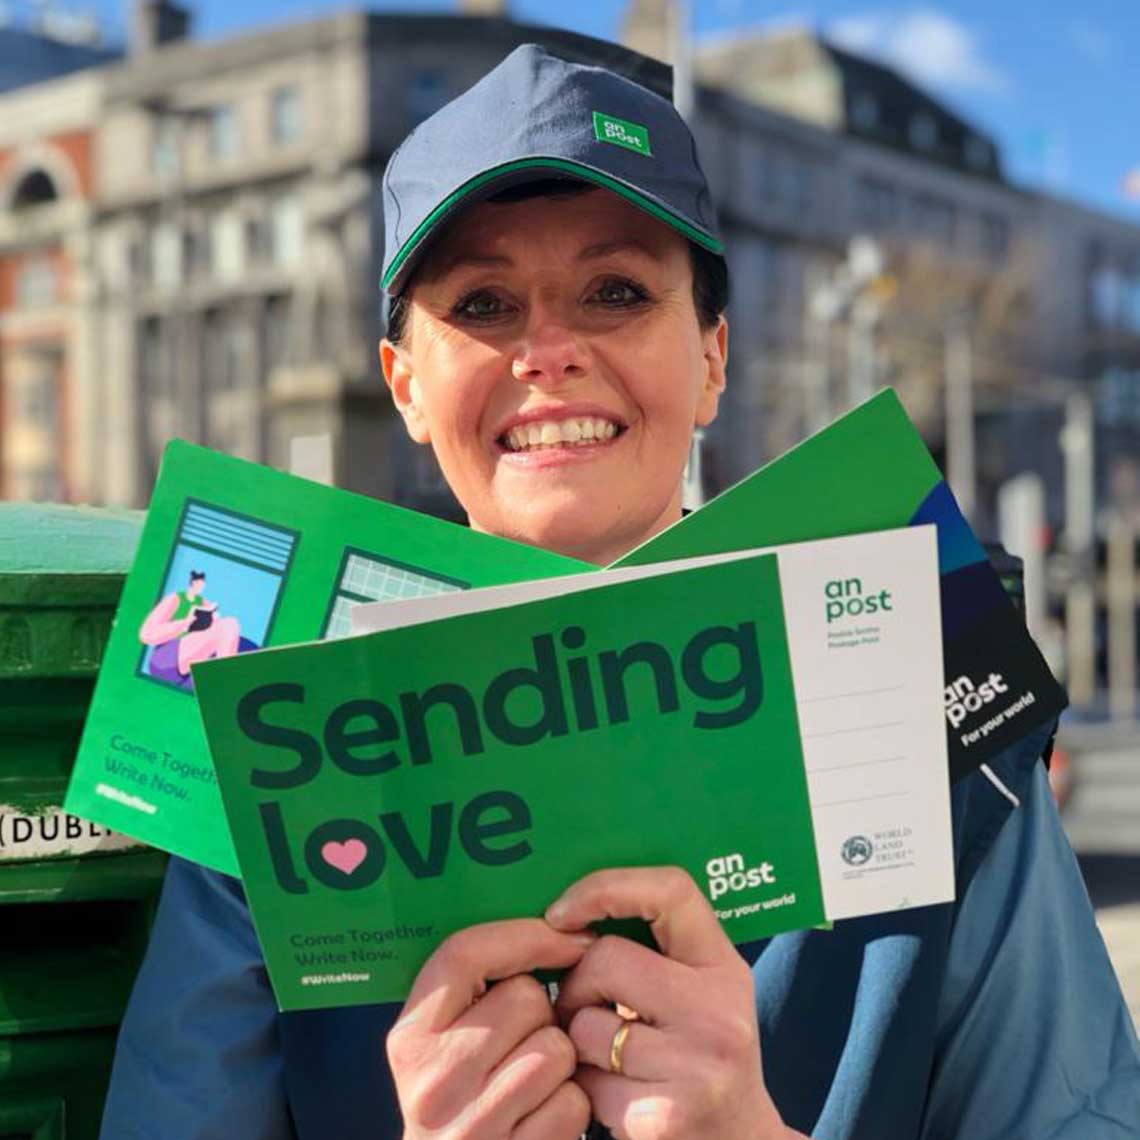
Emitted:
pixel 387 790
pixel 868 471
pixel 235 557
pixel 868 696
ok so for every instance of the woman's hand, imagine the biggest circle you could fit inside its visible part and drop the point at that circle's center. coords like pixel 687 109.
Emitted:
pixel 690 1066
pixel 472 1063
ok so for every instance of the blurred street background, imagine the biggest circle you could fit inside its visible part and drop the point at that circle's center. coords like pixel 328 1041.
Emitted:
pixel 943 197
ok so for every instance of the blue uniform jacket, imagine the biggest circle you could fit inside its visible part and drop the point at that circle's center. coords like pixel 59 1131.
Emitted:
pixel 997 1017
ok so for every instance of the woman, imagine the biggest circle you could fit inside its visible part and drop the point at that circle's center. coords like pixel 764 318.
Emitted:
pixel 184 628
pixel 556 343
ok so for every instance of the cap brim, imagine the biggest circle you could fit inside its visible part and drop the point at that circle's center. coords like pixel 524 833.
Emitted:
pixel 498 178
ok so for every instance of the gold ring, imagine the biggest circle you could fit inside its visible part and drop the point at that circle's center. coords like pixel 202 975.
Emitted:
pixel 617 1045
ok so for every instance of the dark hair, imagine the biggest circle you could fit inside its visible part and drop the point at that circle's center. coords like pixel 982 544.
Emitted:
pixel 710 273
pixel 197 576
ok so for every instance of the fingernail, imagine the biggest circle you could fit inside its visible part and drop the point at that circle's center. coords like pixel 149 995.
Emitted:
pixel 556 912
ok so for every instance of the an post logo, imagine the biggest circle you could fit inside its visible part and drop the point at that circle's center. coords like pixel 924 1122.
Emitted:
pixel 727 873
pixel 962 697
pixel 846 598
pixel 621 132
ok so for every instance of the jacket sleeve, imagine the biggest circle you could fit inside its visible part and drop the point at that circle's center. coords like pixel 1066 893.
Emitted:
pixel 1034 1040
pixel 198 1056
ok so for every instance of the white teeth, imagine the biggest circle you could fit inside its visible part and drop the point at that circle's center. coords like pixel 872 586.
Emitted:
pixel 543 434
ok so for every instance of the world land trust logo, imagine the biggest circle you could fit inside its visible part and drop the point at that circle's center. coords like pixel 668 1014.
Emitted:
pixel 857 850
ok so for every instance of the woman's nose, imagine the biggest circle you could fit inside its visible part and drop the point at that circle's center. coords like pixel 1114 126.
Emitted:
pixel 550 351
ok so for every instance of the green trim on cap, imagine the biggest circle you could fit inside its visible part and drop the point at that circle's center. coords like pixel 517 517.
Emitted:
pixel 586 173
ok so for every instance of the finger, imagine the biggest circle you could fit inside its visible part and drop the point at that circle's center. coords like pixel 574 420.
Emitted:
pixel 627 1108
pixel 564 1116
pixel 459 970
pixel 644 1055
pixel 511 1011
pixel 666 897
pixel 616 970
pixel 527 1077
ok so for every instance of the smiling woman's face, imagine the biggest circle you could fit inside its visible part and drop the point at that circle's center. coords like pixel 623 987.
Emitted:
pixel 554 360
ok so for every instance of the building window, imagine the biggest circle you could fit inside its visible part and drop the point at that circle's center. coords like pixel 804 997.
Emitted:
pixel 285 116
pixel 1120 396
pixel 757 267
pixel 756 162
pixel 995 235
pixel 427 92
pixel 797 184
pixel 35 189
pixel 876 204
pixel 923 131
pixel 935 218
pixel 1106 289
pixel 198 250
pixel 865 111
pixel 155 376
pixel 36 401
pixel 227 246
pixel 41 484
pixel 287 229
pixel 167 252
pixel 227 343
pixel 37 283
pixel 164 158
pixel 1131 303
pixel 275 333
pixel 978 154
pixel 223 131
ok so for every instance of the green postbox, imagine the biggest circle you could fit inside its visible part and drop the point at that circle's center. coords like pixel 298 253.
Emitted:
pixel 75 900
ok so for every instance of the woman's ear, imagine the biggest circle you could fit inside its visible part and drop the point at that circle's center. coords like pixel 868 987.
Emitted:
pixel 398 375
pixel 715 357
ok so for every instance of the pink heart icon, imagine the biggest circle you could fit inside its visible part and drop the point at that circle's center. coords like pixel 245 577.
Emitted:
pixel 345 856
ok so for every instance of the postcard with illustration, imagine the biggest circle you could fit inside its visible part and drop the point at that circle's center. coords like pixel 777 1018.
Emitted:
pixel 235 557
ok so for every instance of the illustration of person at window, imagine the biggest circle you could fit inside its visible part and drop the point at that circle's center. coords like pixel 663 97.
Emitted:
pixel 185 628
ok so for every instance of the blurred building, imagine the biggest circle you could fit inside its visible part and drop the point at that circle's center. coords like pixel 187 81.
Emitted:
pixel 810 147
pixel 235 240
pixel 46 283
pixel 190 245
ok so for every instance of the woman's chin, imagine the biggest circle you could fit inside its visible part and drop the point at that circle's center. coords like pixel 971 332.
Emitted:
pixel 575 526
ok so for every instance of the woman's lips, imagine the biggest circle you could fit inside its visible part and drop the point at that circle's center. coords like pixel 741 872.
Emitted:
pixel 542 455
pixel 536 435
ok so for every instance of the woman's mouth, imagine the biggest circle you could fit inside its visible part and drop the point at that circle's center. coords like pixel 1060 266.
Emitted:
pixel 546 435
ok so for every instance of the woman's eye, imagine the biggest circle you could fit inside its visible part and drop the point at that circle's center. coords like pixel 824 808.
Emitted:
pixel 479 305
pixel 618 292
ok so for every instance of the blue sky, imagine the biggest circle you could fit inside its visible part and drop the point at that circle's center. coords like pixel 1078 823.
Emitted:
pixel 1056 82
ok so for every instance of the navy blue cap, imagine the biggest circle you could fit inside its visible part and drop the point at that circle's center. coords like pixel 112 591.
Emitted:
pixel 536 117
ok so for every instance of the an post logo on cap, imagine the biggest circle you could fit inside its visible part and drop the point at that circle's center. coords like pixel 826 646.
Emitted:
pixel 621 132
